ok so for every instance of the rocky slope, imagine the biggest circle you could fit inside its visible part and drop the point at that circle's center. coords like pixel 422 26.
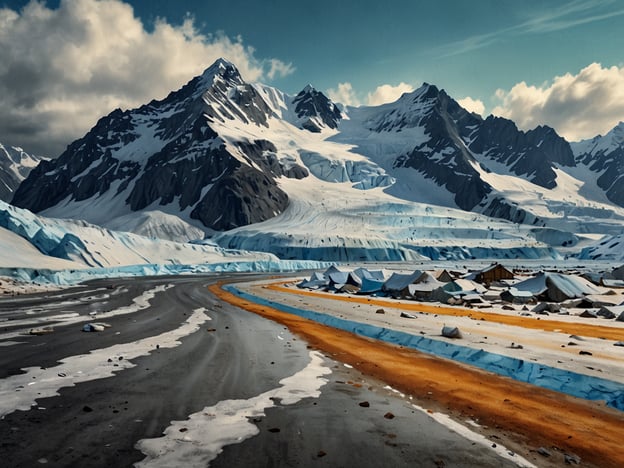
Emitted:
pixel 15 165
pixel 221 154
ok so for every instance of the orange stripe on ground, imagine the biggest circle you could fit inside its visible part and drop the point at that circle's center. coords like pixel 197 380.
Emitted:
pixel 581 329
pixel 527 415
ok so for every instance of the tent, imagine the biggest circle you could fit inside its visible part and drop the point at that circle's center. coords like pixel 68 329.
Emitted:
pixel 443 275
pixel 424 286
pixel 515 296
pixel 398 283
pixel 612 312
pixel 369 274
pixel 464 285
pixel 317 280
pixel 557 287
pixel 338 279
pixel 371 286
pixel 612 283
pixel 330 270
pixel 618 273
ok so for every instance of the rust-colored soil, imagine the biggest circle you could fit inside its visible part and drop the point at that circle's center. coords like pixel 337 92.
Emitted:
pixel 581 329
pixel 529 415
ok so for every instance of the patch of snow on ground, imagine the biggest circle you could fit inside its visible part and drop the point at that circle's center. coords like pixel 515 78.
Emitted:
pixel 200 439
pixel 20 392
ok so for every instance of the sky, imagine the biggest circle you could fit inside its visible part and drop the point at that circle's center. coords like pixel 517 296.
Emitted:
pixel 64 64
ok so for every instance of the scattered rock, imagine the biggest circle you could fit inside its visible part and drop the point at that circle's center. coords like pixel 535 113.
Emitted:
pixel 407 315
pixel 585 353
pixel 211 330
pixel 571 459
pixel 93 327
pixel 572 343
pixel 516 346
pixel 364 404
pixel 321 453
pixel 87 409
pixel 380 311
pixel 62 374
pixel 274 429
pixel 618 343
pixel 544 452
pixel 389 415
pixel 451 332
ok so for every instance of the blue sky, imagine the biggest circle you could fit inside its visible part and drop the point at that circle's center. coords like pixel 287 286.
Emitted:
pixel 483 50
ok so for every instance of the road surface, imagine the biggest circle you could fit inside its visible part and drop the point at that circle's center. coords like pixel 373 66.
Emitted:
pixel 229 388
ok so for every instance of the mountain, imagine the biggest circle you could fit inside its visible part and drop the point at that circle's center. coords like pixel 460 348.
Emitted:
pixel 604 156
pixel 257 169
pixel 15 165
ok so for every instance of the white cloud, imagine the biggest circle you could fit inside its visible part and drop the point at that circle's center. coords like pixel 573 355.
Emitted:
pixel 577 106
pixel 344 94
pixel 472 105
pixel 388 93
pixel 62 69
pixel 277 68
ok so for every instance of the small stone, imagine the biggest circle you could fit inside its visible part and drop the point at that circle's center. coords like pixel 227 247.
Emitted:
pixel 364 404
pixel 62 374
pixel 572 459
pixel 544 452
pixel 87 409
pixel 380 311
pixel 585 353
pixel 389 415
pixel 321 453
pixel 274 429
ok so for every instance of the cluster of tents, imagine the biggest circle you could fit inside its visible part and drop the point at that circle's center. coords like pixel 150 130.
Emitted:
pixel 480 288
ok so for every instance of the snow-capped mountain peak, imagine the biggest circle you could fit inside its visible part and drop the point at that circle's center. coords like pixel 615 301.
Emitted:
pixel 15 165
pixel 225 155
pixel 604 155
pixel 315 110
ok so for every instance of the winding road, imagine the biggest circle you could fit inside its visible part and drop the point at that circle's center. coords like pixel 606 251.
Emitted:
pixel 227 388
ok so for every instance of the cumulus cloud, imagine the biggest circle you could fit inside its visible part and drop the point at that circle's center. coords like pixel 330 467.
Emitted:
pixel 277 68
pixel 472 105
pixel 61 69
pixel 344 94
pixel 388 93
pixel 577 106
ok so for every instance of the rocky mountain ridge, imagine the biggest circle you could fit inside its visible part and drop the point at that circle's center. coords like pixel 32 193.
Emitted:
pixel 219 151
